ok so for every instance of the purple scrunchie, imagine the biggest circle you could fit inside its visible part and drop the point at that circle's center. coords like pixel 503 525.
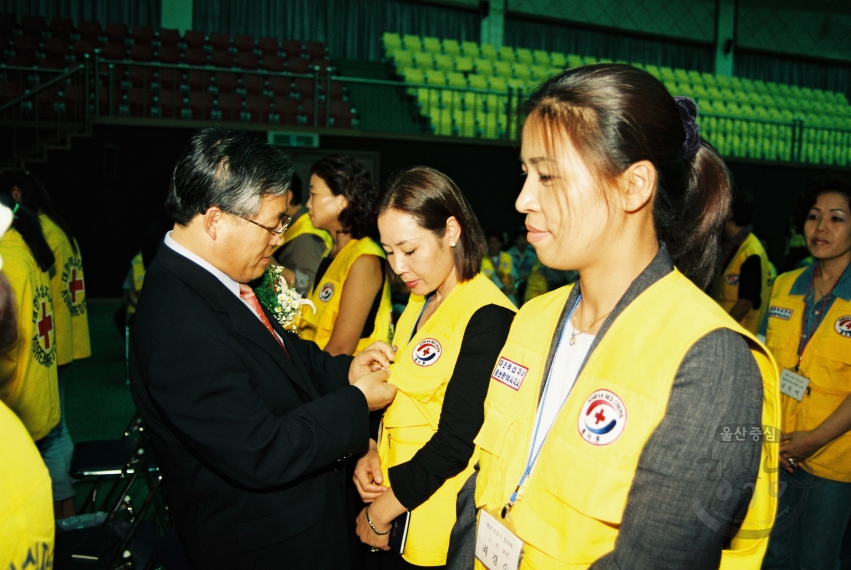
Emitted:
pixel 688 114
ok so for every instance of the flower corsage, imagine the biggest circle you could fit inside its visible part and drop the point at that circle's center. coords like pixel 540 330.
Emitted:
pixel 282 300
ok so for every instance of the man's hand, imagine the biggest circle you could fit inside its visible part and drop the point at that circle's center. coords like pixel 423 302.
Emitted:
pixel 376 356
pixel 379 393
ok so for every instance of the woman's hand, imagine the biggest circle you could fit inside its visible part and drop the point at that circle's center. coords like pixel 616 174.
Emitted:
pixel 368 477
pixel 368 536
pixel 797 446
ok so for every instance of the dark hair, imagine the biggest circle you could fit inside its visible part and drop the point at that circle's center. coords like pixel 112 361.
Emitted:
pixel 8 312
pixel 345 175
pixel 295 190
pixel 228 169
pixel 431 198
pixel 616 115
pixel 25 221
pixel 814 189
pixel 742 209
pixel 35 197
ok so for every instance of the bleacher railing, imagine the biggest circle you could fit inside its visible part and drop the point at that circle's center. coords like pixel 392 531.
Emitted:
pixel 135 89
pixel 28 98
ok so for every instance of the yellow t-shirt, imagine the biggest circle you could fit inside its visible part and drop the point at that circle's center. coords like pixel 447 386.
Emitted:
pixel 26 499
pixel 69 295
pixel 28 382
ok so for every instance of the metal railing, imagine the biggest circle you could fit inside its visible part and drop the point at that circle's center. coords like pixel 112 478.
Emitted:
pixel 38 110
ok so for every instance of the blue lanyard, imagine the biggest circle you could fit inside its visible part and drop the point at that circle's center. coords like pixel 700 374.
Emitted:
pixel 533 454
pixel 417 322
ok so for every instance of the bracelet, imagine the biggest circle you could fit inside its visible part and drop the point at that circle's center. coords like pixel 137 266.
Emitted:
pixel 372 526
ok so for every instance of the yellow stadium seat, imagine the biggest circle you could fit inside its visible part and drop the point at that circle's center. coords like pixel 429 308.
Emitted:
pixel 506 53
pixel 463 64
pixel 451 47
pixel 502 68
pixel 456 79
pixel 444 62
pixel 391 41
pixel 413 75
pixel 434 77
pixel 412 43
pixel 470 49
pixel 488 51
pixel 523 55
pixel 484 67
pixel 557 59
pixel 431 44
pixel 574 61
pixel 423 59
pixel 541 57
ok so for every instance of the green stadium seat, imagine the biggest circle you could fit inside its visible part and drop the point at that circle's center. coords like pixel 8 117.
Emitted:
pixel 681 75
pixel 708 79
pixel 464 64
pixel 451 47
pixel 502 68
pixel 464 123
pixel 434 77
pixel 604 60
pixel 412 43
pixel 653 70
pixel 431 45
pixel 694 77
pixel 484 66
pixel 521 71
pixel 722 81
pixel 477 82
pixel 541 57
pixel 413 75
pixel 558 59
pixel 574 61
pixel 444 62
pixel 666 74
pixel 403 59
pixel 540 72
pixel 441 121
pixel 470 49
pixel 588 60
pixel 489 51
pixel 496 83
pixel 553 71
pixel 523 55
pixel 455 79
pixel 735 82
pixel 391 41
pixel 423 59
pixel 506 53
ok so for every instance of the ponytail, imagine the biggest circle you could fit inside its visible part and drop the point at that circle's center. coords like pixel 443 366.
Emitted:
pixel 35 197
pixel 616 115
pixel 26 223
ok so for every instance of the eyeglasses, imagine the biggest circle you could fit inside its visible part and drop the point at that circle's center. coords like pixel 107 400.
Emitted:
pixel 277 232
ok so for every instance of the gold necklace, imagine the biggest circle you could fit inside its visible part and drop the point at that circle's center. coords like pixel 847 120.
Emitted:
pixel 576 333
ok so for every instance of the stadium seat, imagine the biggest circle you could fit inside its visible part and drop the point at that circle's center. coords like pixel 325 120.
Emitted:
pixel 431 45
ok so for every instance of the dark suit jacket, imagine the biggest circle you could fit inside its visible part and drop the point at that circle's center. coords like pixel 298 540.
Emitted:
pixel 248 440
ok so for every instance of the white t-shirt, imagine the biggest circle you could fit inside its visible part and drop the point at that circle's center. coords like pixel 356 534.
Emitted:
pixel 564 370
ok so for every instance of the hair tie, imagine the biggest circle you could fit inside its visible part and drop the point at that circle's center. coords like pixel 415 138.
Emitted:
pixel 688 114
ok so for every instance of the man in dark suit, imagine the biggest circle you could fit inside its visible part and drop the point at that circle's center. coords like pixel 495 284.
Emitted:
pixel 248 423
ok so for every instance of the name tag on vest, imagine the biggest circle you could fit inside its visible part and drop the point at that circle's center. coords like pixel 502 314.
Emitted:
pixel 497 547
pixel 509 373
pixel 793 385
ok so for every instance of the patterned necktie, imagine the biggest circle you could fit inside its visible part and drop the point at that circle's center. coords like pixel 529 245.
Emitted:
pixel 247 293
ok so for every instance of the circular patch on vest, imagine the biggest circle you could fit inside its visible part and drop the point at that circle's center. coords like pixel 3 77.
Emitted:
pixel 602 418
pixel 326 292
pixel 733 279
pixel 44 334
pixel 427 352
pixel 843 326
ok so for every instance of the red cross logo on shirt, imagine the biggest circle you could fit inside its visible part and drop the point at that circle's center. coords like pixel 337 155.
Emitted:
pixel 426 351
pixel 75 285
pixel 44 326
pixel 599 416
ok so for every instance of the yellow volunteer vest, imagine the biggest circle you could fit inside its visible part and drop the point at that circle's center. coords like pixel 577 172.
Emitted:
pixel 28 382
pixel 26 499
pixel 302 226
pixel 826 362
pixel 536 283
pixel 503 270
pixel 326 297
pixel 574 500
pixel 137 272
pixel 69 295
pixel 728 292
pixel 421 372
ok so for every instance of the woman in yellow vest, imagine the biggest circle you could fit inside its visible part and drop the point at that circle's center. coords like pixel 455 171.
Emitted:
pixel 26 511
pixel 605 436
pixel 498 266
pixel 809 331
pixel 28 381
pixel 446 342
pixel 351 292
pixel 71 323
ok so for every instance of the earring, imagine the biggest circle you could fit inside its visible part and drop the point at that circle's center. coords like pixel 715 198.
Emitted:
pixel 452 245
